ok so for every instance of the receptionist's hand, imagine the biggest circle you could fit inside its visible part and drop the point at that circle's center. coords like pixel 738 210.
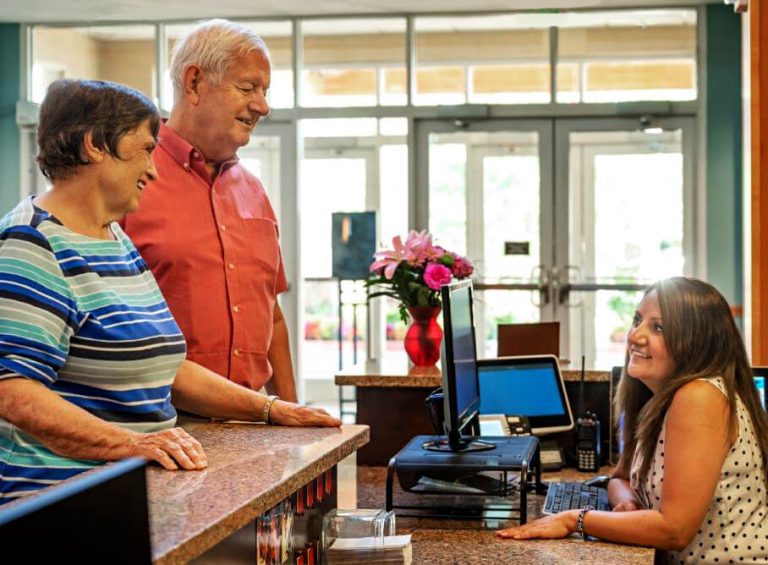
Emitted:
pixel 285 413
pixel 550 527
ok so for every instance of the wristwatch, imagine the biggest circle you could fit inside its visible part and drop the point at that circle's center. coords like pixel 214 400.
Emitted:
pixel 268 407
pixel 580 520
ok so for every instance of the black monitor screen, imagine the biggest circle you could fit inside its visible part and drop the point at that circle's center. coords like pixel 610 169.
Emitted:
pixel 760 384
pixel 460 359
pixel 464 353
pixel 100 516
pixel 761 379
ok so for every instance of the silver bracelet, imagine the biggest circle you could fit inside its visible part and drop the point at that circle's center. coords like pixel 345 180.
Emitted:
pixel 267 407
pixel 580 520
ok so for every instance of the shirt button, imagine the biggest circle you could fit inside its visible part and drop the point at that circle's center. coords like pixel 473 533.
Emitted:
pixel 195 154
pixel 235 309
pixel 231 266
pixel 222 227
pixel 186 166
pixel 236 353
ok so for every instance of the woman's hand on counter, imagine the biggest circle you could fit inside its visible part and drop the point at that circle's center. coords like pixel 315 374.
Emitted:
pixel 285 413
pixel 173 449
pixel 550 527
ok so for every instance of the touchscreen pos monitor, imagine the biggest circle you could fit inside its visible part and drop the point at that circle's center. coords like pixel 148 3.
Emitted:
pixel 461 391
pixel 526 385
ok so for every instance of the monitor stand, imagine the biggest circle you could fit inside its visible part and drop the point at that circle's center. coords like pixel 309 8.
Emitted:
pixel 457 444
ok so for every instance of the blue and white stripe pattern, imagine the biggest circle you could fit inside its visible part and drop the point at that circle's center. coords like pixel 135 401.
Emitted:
pixel 85 318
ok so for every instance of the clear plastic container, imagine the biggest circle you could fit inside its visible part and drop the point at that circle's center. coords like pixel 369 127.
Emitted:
pixel 361 523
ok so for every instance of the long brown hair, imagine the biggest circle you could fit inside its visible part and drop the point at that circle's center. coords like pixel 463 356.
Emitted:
pixel 703 340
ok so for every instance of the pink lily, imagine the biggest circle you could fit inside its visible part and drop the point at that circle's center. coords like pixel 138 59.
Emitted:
pixel 419 248
pixel 389 260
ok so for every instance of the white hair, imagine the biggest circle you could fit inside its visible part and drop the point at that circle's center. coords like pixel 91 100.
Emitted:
pixel 212 45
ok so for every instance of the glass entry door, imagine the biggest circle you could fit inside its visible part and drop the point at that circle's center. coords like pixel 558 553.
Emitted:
pixel 565 220
pixel 629 207
pixel 489 196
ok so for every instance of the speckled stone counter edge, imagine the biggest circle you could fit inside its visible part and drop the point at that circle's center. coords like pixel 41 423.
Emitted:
pixel 433 381
pixel 199 542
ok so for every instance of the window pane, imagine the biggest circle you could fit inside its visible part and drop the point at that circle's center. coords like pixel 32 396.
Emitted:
pixel 511 211
pixel 393 220
pixel 124 54
pixel 618 181
pixel 339 127
pixel 510 84
pixel 277 36
pixel 496 307
pixel 447 192
pixel 262 158
pixel 342 190
pixel 353 62
pixel 626 55
pixel 483 59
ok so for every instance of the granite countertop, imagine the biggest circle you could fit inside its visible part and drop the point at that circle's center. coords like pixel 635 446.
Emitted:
pixel 457 541
pixel 251 468
pixel 396 371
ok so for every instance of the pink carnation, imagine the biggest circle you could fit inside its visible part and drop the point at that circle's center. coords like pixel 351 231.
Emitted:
pixel 461 267
pixel 436 276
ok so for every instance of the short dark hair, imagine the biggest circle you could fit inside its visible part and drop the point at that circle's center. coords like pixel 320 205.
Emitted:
pixel 73 107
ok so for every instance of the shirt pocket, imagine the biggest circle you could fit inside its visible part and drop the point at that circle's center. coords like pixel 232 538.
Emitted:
pixel 263 245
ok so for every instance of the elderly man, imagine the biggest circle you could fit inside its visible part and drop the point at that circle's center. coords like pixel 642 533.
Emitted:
pixel 206 227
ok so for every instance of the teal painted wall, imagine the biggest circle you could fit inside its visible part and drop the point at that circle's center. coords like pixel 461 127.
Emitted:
pixel 725 255
pixel 10 71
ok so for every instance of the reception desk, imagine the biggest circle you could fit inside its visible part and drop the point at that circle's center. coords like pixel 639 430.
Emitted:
pixel 391 393
pixel 457 541
pixel 251 468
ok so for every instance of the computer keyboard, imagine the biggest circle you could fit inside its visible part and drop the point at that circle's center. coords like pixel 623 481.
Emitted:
pixel 567 496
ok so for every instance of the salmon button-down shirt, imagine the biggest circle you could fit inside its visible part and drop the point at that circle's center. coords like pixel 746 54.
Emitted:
pixel 213 248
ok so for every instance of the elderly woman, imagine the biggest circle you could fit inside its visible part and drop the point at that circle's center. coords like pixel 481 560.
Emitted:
pixel 92 362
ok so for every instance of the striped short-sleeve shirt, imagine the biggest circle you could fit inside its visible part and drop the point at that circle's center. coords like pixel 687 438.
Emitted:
pixel 85 318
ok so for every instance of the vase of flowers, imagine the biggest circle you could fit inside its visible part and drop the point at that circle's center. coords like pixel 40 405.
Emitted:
pixel 412 273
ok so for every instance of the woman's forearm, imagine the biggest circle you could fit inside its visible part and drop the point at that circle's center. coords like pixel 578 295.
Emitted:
pixel 642 527
pixel 62 427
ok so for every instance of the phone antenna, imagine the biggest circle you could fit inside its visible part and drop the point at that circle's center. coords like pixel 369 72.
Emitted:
pixel 581 389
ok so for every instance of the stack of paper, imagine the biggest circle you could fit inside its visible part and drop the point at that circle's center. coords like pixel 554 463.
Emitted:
pixel 394 549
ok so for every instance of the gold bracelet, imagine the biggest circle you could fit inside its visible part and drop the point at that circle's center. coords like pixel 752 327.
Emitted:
pixel 268 407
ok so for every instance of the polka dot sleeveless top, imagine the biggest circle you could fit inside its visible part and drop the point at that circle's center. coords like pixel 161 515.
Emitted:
pixel 735 529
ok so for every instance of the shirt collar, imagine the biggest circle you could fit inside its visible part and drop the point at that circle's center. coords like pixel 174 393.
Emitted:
pixel 184 153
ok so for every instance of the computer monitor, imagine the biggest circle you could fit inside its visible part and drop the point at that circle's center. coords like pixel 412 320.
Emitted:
pixel 530 386
pixel 761 376
pixel 461 399
pixel 100 517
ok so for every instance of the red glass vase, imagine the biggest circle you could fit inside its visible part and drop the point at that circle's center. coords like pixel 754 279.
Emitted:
pixel 422 340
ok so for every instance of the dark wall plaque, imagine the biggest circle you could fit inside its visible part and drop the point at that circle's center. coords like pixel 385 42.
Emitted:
pixel 517 248
pixel 354 243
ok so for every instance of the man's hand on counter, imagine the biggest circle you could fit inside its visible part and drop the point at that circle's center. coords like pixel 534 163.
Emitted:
pixel 285 413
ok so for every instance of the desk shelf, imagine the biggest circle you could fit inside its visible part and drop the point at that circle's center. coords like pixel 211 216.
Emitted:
pixel 510 503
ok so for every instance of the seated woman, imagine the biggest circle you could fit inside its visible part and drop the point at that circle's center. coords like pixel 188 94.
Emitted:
pixel 692 480
pixel 92 362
